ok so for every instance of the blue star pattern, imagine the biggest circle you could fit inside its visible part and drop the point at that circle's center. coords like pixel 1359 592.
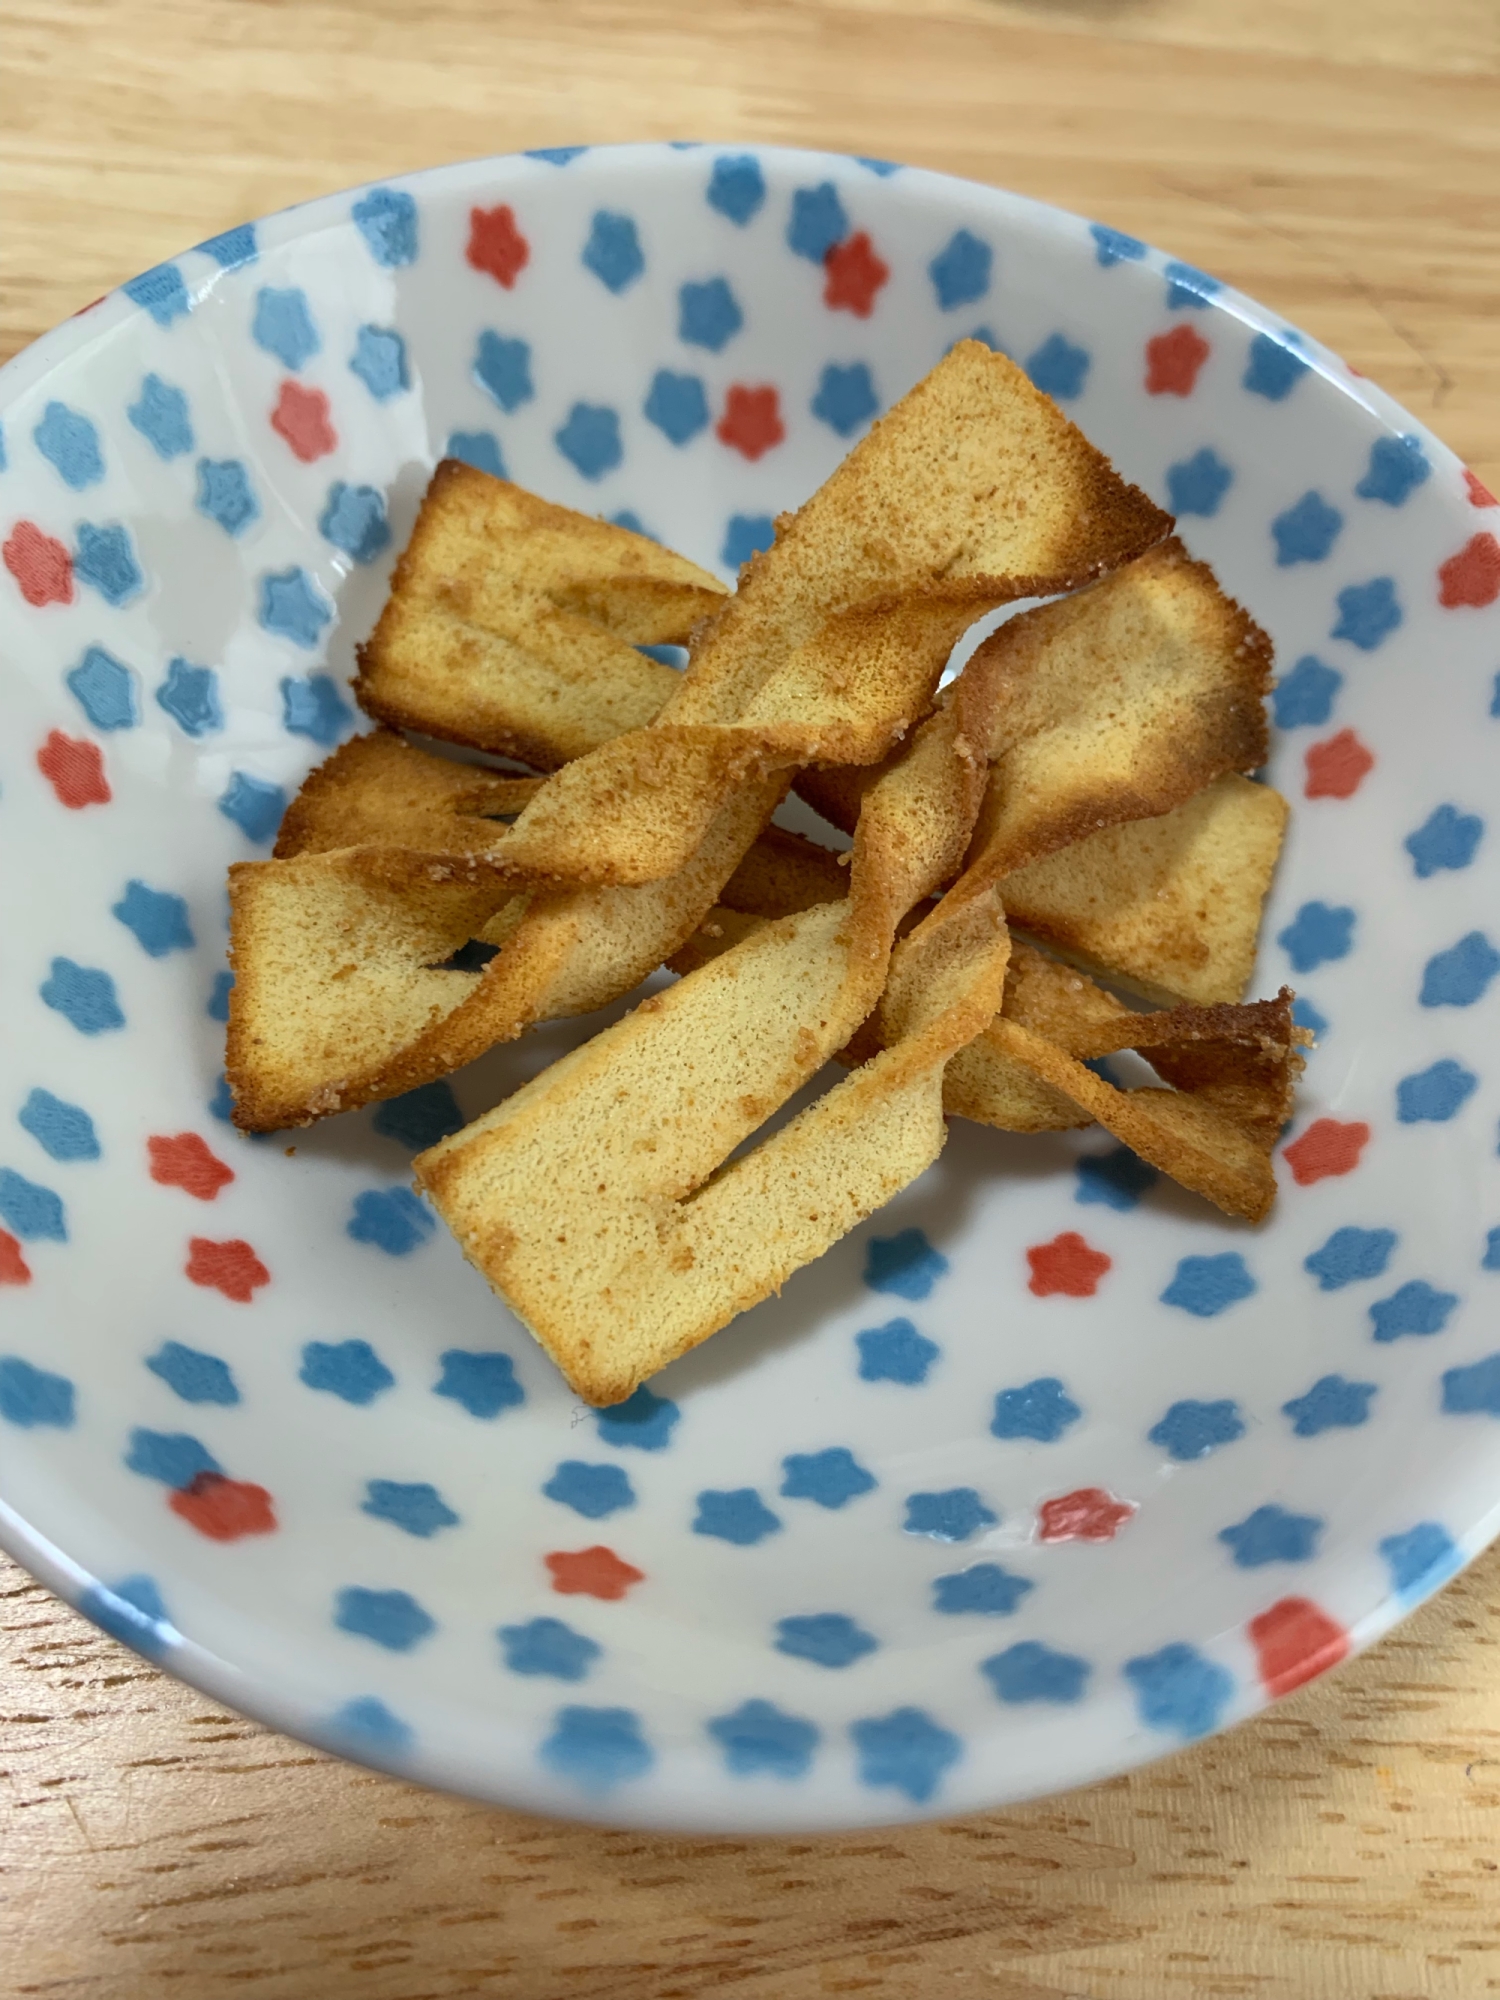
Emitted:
pixel 1030 1671
pixel 548 1647
pixel 1419 1559
pixel 1447 838
pixel 1368 613
pixel 1192 1430
pixel 1059 368
pixel 818 222
pixel 1318 934
pixel 63 1131
pixel 590 439
pixel 1196 485
pixel 905 1750
pixel 597 1748
pixel 1416 1308
pixel 1398 466
pixel 737 187
pixel 1462 974
pixel 738 1515
pixel 502 368
pixel 1207 1286
pixel 985 1588
pixel 831 1478
pixel 644 1422
pixel 1307 531
pixel 953 1516
pixel 905 1264
pixel 595 1491
pixel 1332 1403
pixel 759 1737
pixel 1272 1535
pixel 613 252
pixel 194 1376
pixel 895 1352
pixel 160 414
pixel 846 398
pixel 1349 1255
pixel 1041 1410
pixel 1435 1095
pixel 248 720
pixel 827 1638
pixel 190 695
pixel 414 1506
pixel 1179 1691
pixel 284 325
pixel 105 559
pixel 225 494
pixel 483 1384
pixel 708 315
pixel 1304 698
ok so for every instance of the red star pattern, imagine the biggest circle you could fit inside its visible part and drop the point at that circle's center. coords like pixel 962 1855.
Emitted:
pixel 1473 575
pixel 1295 1641
pixel 1326 1149
pixel 74 768
pixel 40 565
pixel 496 245
pixel 231 1268
pixel 1089 1515
pixel 225 1509
pixel 1337 768
pixel 1173 360
pixel 595 1572
pixel 1067 1264
pixel 751 422
pixel 855 275
pixel 187 1163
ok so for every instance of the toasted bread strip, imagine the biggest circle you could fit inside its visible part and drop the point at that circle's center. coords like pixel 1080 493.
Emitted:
pixel 380 791
pixel 1169 907
pixel 596 1201
pixel 1116 704
pixel 314 937
pixel 512 624
pixel 811 672
pixel 1232 1072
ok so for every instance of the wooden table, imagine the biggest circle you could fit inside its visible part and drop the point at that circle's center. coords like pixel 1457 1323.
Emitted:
pixel 1341 162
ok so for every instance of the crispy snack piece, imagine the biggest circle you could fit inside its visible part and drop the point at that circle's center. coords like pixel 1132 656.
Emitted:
pixel 595 1200
pixel 1231 1071
pixel 810 672
pixel 1169 907
pixel 512 624
pixel 1116 704
pixel 314 939
pixel 379 791
pixel 973 491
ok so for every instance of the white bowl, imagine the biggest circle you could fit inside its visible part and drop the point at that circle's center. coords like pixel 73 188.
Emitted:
pixel 268 1426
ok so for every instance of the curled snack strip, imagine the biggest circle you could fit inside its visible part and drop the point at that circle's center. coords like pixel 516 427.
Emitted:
pixel 379 791
pixel 512 624
pixel 832 648
pixel 596 1200
pixel 1233 1068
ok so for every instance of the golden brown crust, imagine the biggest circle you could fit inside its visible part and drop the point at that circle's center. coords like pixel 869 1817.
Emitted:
pixel 1116 704
pixel 512 624
pixel 378 790
pixel 1169 907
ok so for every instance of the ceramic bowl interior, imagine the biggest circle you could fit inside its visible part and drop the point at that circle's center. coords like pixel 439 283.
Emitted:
pixel 1045 1469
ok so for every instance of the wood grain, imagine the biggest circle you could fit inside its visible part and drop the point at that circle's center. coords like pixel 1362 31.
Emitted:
pixel 1341 162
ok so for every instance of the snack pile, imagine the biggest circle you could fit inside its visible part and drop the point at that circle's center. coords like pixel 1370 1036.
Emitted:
pixel 1082 777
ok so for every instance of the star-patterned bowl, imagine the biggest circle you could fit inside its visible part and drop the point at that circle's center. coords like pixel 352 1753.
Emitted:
pixel 1045 1469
